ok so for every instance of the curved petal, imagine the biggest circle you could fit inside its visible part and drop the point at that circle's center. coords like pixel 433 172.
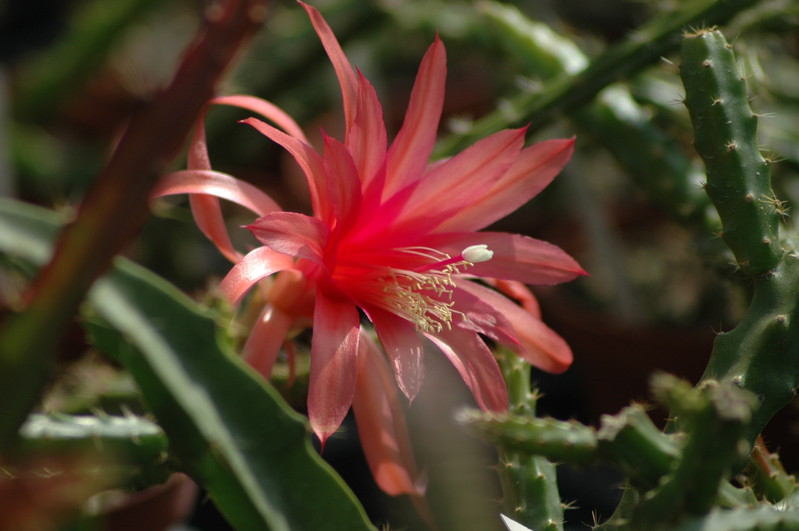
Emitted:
pixel 342 66
pixel 516 257
pixel 403 347
pixel 537 343
pixel 256 265
pixel 476 365
pixel 267 109
pixel 204 187
pixel 518 292
pixel 381 424
pixel 292 234
pixel 217 184
pixel 532 171
pixel 411 149
pixel 461 181
pixel 266 337
pixel 334 364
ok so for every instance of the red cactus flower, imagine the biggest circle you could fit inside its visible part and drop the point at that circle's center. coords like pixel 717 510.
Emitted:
pixel 395 238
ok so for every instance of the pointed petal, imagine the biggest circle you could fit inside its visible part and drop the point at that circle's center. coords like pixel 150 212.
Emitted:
pixel 404 349
pixel 536 342
pixel 344 186
pixel 476 365
pixel 267 335
pixel 334 364
pixel 381 424
pixel 342 66
pixel 267 109
pixel 516 257
pixel 308 159
pixel 533 170
pixel 462 180
pixel 292 234
pixel 256 265
pixel 367 139
pixel 411 149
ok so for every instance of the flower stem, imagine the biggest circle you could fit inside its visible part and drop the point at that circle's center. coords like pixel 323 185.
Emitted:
pixel 529 482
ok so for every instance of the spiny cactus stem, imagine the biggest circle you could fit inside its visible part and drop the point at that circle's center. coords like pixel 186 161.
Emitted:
pixel 632 440
pixel 529 482
pixel 725 130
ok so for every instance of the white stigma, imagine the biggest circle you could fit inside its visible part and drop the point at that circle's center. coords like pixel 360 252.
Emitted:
pixel 477 253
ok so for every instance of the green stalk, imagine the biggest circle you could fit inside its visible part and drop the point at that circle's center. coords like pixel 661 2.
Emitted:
pixel 762 353
pixel 529 482
pixel 643 47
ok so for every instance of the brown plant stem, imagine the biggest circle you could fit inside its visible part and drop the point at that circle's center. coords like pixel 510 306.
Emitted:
pixel 113 210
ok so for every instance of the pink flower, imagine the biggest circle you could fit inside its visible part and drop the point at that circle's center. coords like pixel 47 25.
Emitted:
pixel 395 238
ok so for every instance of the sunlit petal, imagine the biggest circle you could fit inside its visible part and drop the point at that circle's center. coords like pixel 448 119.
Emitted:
pixel 411 149
pixel 334 364
pixel 381 424
pixel 292 234
pixel 476 364
pixel 532 171
pixel 256 265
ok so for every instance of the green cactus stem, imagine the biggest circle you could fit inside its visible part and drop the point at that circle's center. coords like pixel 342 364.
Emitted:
pixel 529 482
pixel 762 353
pixel 644 46
pixel 631 440
pixel 768 476
pixel 739 181
pixel 557 440
pixel 654 160
pixel 715 416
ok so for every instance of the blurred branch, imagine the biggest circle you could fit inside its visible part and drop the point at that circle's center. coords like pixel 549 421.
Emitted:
pixel 641 48
pixel 114 209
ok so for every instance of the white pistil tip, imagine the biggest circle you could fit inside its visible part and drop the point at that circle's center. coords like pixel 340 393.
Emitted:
pixel 477 253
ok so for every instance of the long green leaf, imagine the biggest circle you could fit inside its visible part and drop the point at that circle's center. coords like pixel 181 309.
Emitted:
pixel 229 429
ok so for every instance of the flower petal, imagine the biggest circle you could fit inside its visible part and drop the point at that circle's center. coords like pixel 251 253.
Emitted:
pixel 267 109
pixel 518 292
pixel 256 265
pixel 479 316
pixel 411 149
pixel 217 184
pixel 534 169
pixel 203 187
pixel 308 159
pixel 516 257
pixel 334 364
pixel 537 343
pixel 292 234
pixel 267 335
pixel 404 348
pixel 367 139
pixel 344 185
pixel 342 66
pixel 476 365
pixel 381 424
pixel 460 181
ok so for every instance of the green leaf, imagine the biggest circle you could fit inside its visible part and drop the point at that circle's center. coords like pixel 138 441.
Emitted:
pixel 229 429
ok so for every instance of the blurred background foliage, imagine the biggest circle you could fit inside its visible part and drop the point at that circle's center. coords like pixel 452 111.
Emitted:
pixel 629 206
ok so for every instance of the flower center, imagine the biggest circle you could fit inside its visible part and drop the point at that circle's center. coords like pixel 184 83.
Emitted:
pixel 423 294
